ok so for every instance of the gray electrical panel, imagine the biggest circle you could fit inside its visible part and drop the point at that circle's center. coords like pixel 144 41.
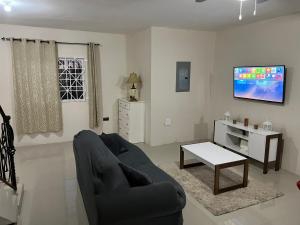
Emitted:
pixel 183 75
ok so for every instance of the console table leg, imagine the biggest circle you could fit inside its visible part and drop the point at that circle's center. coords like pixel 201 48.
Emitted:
pixel 181 163
pixel 279 152
pixel 267 150
pixel 245 177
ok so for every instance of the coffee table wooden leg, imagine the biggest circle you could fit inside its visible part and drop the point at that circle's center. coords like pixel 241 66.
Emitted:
pixel 217 180
pixel 217 189
pixel 245 177
pixel 181 166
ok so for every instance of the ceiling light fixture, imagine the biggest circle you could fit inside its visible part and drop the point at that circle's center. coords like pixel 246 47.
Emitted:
pixel 241 10
pixel 6 5
pixel 255 3
pixel 255 7
pixel 241 6
pixel 7 8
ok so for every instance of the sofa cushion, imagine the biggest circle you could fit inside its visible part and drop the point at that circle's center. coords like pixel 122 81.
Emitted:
pixel 157 175
pixel 133 157
pixel 106 169
pixel 135 177
pixel 99 186
pixel 112 144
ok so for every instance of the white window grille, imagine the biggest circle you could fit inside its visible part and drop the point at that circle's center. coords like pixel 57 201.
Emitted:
pixel 72 79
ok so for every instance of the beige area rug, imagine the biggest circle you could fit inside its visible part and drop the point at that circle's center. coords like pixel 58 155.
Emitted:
pixel 198 183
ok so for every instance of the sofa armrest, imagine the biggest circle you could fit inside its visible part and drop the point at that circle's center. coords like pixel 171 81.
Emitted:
pixel 159 199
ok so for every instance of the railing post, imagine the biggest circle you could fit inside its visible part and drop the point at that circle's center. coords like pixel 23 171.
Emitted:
pixel 7 152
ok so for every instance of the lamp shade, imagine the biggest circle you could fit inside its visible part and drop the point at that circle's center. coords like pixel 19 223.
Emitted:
pixel 133 78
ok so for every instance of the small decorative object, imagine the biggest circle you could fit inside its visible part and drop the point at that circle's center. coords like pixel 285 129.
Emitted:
pixel 234 121
pixel 246 122
pixel 227 116
pixel 298 184
pixel 255 126
pixel 133 92
pixel 267 125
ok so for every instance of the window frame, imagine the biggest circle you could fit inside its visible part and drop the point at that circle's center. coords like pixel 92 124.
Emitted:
pixel 83 79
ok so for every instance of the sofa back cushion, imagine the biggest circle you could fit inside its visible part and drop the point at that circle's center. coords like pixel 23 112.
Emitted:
pixel 112 143
pixel 107 173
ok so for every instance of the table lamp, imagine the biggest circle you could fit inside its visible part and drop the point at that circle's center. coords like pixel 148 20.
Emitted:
pixel 133 92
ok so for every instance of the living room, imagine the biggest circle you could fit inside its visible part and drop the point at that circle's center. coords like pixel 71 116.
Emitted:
pixel 145 45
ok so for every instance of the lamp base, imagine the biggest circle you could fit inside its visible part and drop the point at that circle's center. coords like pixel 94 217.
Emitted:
pixel 132 99
pixel 133 95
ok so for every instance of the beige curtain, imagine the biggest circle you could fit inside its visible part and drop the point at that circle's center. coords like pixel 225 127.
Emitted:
pixel 94 86
pixel 36 90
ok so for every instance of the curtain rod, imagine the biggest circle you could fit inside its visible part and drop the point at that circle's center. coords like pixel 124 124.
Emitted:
pixel 57 42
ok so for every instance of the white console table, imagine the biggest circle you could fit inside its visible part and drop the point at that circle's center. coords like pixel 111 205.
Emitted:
pixel 261 145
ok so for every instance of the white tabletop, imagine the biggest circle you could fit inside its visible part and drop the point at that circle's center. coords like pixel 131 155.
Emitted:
pixel 211 154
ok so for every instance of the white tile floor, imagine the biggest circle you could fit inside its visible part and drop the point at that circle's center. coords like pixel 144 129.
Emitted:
pixel 51 194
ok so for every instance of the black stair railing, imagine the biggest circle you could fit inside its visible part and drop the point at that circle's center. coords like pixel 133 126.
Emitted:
pixel 7 152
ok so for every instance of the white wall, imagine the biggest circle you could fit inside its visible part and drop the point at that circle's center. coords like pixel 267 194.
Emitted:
pixel 269 42
pixel 153 54
pixel 139 61
pixel 75 115
pixel 187 110
pixel 138 57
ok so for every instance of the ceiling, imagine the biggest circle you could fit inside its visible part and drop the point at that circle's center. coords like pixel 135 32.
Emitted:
pixel 124 16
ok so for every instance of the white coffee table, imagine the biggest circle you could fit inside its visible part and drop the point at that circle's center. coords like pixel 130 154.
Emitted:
pixel 216 158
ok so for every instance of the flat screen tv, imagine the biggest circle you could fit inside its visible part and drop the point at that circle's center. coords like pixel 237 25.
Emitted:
pixel 262 83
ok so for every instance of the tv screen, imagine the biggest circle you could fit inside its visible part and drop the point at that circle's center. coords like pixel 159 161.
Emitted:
pixel 263 83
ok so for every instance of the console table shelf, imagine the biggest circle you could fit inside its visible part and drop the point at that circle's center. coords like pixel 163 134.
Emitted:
pixel 237 149
pixel 261 145
pixel 238 135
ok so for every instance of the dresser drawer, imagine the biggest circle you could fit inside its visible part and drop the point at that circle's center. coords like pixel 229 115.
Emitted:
pixel 124 129
pixel 124 132
pixel 123 114
pixel 123 122
pixel 123 110
pixel 124 105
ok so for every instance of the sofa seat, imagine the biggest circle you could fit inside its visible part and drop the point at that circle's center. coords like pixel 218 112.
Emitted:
pixel 134 158
pixel 158 175
pixel 137 159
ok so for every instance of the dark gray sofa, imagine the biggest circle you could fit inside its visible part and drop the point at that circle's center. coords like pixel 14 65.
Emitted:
pixel 108 196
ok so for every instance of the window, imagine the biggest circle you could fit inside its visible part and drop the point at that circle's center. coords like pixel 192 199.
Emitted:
pixel 72 79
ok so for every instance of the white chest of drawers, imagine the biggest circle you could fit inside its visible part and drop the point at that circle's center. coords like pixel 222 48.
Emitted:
pixel 132 120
